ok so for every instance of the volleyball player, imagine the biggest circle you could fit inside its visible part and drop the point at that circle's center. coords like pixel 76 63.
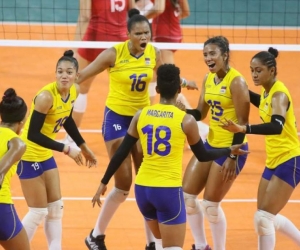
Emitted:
pixel 51 110
pixel 13 111
pixel 166 28
pixel 130 65
pixel 224 94
pixel 282 170
pixel 162 130
pixel 103 20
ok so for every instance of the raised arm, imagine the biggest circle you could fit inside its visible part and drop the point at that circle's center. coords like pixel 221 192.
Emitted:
pixel 103 61
pixel 157 9
pixel 202 109
pixel 185 9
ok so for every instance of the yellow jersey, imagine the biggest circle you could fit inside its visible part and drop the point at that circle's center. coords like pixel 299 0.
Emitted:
pixel 285 146
pixel 129 79
pixel 162 139
pixel 218 97
pixel 6 135
pixel 55 118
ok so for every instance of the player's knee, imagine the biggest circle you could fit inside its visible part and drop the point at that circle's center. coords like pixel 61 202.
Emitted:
pixel 192 204
pixel 211 210
pixel 55 210
pixel 118 195
pixel 35 215
pixel 264 223
pixel 80 103
pixel 152 89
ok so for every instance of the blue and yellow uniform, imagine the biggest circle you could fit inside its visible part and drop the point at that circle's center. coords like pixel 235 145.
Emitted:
pixel 218 97
pixel 128 89
pixel 283 150
pixel 38 159
pixel 10 225
pixel 159 179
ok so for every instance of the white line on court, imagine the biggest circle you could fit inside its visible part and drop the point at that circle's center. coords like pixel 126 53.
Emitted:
pixel 133 199
pixel 100 131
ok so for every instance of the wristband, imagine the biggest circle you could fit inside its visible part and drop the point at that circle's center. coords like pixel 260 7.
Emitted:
pixel 233 157
pixel 183 83
pixel 68 151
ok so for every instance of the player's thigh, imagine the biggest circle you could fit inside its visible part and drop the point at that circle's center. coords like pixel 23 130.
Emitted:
pixel 52 183
pixel 19 242
pixel 195 176
pixel 34 191
pixel 123 176
pixel 154 227
pixel 216 188
pixel 172 235
pixel 275 196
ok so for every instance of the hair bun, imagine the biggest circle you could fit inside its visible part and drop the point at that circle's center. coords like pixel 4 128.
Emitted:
pixel 133 12
pixel 69 53
pixel 273 51
pixel 9 95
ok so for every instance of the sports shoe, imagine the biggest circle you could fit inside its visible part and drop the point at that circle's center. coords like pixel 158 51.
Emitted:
pixel 151 246
pixel 95 243
pixel 206 248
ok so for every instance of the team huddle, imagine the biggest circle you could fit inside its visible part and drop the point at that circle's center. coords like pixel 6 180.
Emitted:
pixel 152 136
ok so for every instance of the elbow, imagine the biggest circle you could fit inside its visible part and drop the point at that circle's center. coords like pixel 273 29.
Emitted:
pixel 32 137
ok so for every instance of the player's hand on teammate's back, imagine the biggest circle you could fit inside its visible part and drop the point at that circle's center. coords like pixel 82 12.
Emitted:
pixel 181 106
pixel 101 190
pixel 191 85
pixel 90 158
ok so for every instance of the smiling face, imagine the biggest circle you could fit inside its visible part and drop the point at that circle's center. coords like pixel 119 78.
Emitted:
pixel 139 35
pixel 261 74
pixel 214 58
pixel 65 75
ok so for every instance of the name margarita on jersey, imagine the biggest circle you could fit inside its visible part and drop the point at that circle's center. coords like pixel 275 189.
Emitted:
pixel 160 114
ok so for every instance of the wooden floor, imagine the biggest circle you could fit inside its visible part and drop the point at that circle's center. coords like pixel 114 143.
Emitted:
pixel 28 69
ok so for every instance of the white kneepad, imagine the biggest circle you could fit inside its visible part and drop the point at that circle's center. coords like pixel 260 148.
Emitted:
pixel 264 223
pixel 35 215
pixel 55 210
pixel 152 89
pixel 210 210
pixel 118 195
pixel 80 103
pixel 192 204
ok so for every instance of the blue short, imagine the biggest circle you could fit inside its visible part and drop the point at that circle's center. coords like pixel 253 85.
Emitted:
pixel 164 204
pixel 288 171
pixel 241 159
pixel 29 169
pixel 10 224
pixel 114 125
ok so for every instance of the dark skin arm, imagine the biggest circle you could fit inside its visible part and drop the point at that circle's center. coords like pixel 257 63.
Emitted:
pixel 103 61
pixel 203 107
pixel 16 148
pixel 241 101
pixel 280 103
